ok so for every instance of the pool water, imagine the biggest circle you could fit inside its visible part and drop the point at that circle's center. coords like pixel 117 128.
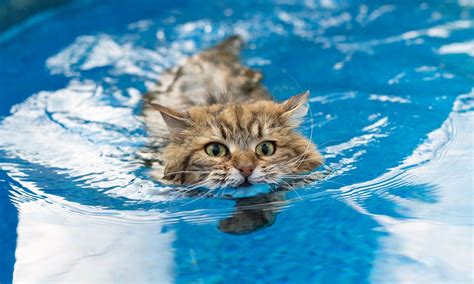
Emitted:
pixel 392 110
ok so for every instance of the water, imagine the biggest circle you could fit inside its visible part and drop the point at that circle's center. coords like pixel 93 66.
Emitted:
pixel 392 107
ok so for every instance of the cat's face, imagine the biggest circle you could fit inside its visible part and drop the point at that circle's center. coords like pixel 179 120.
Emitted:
pixel 238 145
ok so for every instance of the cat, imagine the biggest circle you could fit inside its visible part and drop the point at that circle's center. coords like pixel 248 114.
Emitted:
pixel 215 125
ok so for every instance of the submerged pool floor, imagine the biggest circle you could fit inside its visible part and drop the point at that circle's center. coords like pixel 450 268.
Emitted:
pixel 392 110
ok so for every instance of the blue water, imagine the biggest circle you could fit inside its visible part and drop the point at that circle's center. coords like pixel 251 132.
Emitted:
pixel 392 105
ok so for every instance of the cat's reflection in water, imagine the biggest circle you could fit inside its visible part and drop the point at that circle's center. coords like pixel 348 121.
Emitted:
pixel 253 213
pixel 250 213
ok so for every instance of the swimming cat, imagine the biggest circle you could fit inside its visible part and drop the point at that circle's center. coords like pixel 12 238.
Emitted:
pixel 214 125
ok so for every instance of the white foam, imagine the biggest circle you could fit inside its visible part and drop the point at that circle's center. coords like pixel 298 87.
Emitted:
pixel 90 52
pixel 438 239
pixel 435 245
pixel 390 99
pixel 325 99
pixel 458 48
pixel 74 130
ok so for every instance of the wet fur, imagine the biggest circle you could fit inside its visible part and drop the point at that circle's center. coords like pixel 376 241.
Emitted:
pixel 211 97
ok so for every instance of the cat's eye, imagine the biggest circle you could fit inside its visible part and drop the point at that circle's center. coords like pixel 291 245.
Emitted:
pixel 266 148
pixel 216 150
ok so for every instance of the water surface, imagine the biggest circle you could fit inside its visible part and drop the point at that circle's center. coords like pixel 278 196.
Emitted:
pixel 392 110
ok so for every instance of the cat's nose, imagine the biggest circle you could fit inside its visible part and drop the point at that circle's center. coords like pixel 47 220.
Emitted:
pixel 246 170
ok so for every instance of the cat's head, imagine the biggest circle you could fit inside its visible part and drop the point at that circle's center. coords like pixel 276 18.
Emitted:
pixel 238 145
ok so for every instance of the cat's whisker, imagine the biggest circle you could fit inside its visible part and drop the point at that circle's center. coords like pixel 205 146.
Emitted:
pixel 196 199
pixel 288 164
pixel 323 176
pixel 223 191
pixel 292 188
pixel 336 182
pixel 307 146
pixel 196 184
pixel 300 177
pixel 328 142
pixel 282 166
pixel 204 194
pixel 185 172
pixel 193 186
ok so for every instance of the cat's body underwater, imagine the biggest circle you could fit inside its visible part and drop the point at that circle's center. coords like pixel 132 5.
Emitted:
pixel 214 125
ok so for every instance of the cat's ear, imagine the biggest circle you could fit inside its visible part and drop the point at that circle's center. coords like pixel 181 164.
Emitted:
pixel 175 120
pixel 296 108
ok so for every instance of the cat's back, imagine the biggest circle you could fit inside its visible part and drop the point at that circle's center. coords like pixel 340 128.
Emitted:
pixel 213 76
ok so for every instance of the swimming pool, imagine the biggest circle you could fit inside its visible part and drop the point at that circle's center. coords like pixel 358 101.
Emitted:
pixel 392 105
